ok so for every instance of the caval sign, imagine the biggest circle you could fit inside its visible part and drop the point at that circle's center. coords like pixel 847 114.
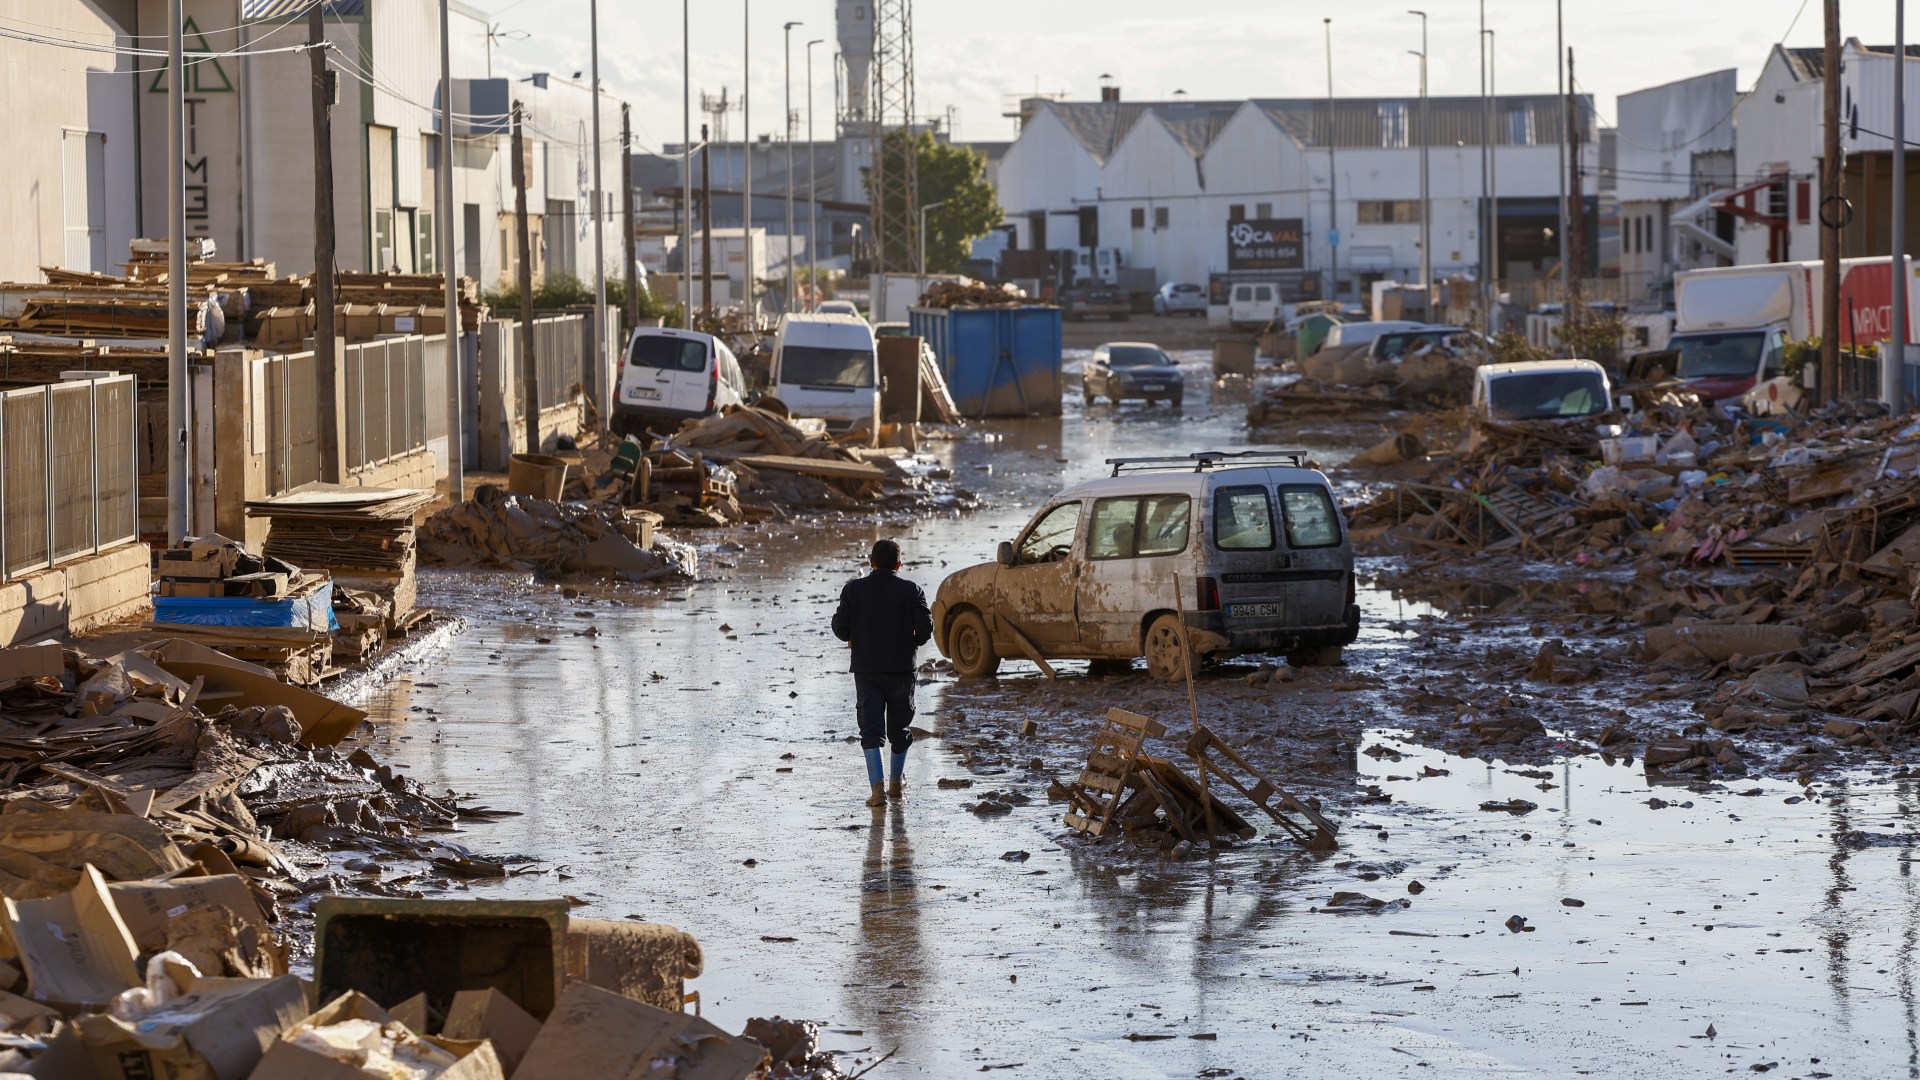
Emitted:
pixel 1265 244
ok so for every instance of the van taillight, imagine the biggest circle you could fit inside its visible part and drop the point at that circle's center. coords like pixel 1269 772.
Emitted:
pixel 1209 594
pixel 713 385
pixel 1350 587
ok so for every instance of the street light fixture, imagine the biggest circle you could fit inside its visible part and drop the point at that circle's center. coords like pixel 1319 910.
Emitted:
pixel 1426 188
pixel 791 294
pixel 813 188
pixel 923 244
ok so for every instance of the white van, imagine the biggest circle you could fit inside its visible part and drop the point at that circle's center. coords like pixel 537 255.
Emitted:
pixel 1541 390
pixel 1253 304
pixel 670 376
pixel 826 366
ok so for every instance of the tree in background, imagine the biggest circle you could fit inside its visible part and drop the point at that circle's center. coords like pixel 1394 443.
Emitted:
pixel 953 176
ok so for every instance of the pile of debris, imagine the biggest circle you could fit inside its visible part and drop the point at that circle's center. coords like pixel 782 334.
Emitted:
pixel 970 293
pixel 1347 381
pixel 559 539
pixel 756 463
pixel 365 538
pixel 256 608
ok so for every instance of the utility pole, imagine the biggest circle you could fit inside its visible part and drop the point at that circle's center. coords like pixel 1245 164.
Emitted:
pixel 443 194
pixel 746 161
pixel 706 224
pixel 1577 211
pixel 529 369
pixel 1560 77
pixel 813 187
pixel 1486 193
pixel 1493 181
pixel 1893 372
pixel 179 401
pixel 602 383
pixel 1830 203
pixel 326 349
pixel 632 272
pixel 686 166
pixel 792 295
pixel 1333 180
pixel 1426 188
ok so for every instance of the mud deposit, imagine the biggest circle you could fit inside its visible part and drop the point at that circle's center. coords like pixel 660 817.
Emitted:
pixel 688 756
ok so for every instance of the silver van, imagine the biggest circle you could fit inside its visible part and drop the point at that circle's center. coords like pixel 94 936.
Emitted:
pixel 1253 541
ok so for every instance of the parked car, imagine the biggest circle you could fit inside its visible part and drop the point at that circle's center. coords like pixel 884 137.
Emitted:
pixel 1400 342
pixel 1181 298
pixel 827 366
pixel 892 329
pixel 1253 304
pixel 1078 302
pixel 836 307
pixel 1133 370
pixel 1254 541
pixel 1349 334
pixel 674 375
pixel 1541 390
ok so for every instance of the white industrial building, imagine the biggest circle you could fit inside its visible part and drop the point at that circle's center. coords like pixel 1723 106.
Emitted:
pixel 1162 184
pixel 92 164
pixel 1675 151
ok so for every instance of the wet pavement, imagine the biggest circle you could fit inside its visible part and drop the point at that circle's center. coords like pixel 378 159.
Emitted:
pixel 688 757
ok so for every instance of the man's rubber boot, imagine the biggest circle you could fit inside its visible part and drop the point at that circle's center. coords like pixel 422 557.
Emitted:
pixel 874 777
pixel 894 790
pixel 879 796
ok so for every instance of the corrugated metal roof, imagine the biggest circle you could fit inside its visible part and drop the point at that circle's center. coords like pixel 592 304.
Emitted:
pixel 1375 123
pixel 265 10
pixel 1099 126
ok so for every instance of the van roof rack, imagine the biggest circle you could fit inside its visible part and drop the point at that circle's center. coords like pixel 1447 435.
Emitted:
pixel 1209 459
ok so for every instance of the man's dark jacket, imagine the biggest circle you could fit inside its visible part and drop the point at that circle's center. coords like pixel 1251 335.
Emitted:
pixel 886 618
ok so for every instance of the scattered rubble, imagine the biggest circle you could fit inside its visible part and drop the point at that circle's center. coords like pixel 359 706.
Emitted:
pixel 560 539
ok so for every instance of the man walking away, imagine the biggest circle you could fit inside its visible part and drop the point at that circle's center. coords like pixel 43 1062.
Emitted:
pixel 885 618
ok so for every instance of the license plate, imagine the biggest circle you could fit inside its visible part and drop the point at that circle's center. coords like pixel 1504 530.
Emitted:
pixel 1253 611
pixel 1153 386
pixel 642 393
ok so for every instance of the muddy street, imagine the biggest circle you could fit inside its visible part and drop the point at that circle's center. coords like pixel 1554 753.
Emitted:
pixel 688 756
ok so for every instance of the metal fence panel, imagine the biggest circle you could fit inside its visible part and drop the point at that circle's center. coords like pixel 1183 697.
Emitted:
pixel 23 480
pixel 71 444
pixel 116 462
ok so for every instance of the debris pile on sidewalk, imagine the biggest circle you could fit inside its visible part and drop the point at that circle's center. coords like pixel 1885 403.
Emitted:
pixel 256 608
pixel 754 463
pixel 558 539
pixel 1347 382
pixel 365 538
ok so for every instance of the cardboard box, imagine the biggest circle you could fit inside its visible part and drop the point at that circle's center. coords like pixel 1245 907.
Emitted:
pixel 75 948
pixel 203 589
pixel 284 329
pixel 358 322
pixel 180 564
pixel 32 662
pixel 323 721
pixel 162 914
pixel 216 549
pixel 395 319
pixel 492 1016
pixel 288 1060
pixel 595 1032
pixel 218 1030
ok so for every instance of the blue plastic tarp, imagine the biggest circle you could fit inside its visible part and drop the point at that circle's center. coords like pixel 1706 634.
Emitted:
pixel 311 612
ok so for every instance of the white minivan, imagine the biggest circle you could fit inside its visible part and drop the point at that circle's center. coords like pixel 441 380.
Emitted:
pixel 827 366
pixel 1253 304
pixel 670 376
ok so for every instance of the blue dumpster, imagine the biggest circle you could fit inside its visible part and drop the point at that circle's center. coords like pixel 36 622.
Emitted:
pixel 998 361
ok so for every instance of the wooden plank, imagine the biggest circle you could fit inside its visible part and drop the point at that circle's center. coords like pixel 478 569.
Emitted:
pixel 1146 726
pixel 1027 646
pixel 833 468
pixel 1263 792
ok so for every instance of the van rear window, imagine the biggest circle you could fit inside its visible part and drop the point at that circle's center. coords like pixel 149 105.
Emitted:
pixel 668 353
pixel 1242 519
pixel 1312 521
pixel 808 365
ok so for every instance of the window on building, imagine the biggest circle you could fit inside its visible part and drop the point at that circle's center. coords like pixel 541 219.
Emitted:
pixel 84 174
pixel 1518 126
pixel 1393 124
pixel 1237 212
pixel 1263 211
pixel 1387 211
pixel 1159 217
pixel 428 245
pixel 1139 217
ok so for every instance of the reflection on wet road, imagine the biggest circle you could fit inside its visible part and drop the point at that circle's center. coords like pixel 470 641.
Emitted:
pixel 693 762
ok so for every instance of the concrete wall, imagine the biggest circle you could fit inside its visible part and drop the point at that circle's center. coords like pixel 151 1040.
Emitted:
pixel 54 96
pixel 76 597
pixel 1778 122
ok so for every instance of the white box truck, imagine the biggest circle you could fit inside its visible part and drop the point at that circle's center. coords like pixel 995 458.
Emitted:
pixel 1732 323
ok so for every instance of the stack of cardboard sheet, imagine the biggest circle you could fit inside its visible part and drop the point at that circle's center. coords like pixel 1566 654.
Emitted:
pixel 364 536
pixel 259 609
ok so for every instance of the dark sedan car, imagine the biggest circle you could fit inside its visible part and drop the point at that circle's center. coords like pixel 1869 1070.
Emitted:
pixel 1133 370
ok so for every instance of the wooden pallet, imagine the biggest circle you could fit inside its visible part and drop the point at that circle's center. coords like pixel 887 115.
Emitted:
pixel 1184 804
pixel 1093 799
pixel 1317 835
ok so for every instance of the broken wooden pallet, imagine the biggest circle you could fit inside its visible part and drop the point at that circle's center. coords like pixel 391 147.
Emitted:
pixel 1092 800
pixel 1184 804
pixel 1317 835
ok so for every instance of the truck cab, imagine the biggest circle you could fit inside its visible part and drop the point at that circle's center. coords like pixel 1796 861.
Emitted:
pixel 1727 363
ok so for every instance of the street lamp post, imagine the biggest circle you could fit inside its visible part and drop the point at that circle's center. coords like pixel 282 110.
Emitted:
pixel 1333 186
pixel 746 158
pixel 1486 193
pixel 686 166
pixel 813 188
pixel 1426 188
pixel 1493 183
pixel 791 294
pixel 602 387
pixel 923 244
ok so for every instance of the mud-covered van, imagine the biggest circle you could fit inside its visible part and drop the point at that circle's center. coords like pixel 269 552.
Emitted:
pixel 1253 541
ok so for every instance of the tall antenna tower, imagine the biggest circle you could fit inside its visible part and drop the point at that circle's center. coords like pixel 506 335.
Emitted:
pixel 896 187
pixel 716 109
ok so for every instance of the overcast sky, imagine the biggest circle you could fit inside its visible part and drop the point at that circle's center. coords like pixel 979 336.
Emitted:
pixel 976 55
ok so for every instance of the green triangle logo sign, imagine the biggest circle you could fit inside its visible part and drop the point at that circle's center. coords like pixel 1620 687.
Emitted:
pixel 204 73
